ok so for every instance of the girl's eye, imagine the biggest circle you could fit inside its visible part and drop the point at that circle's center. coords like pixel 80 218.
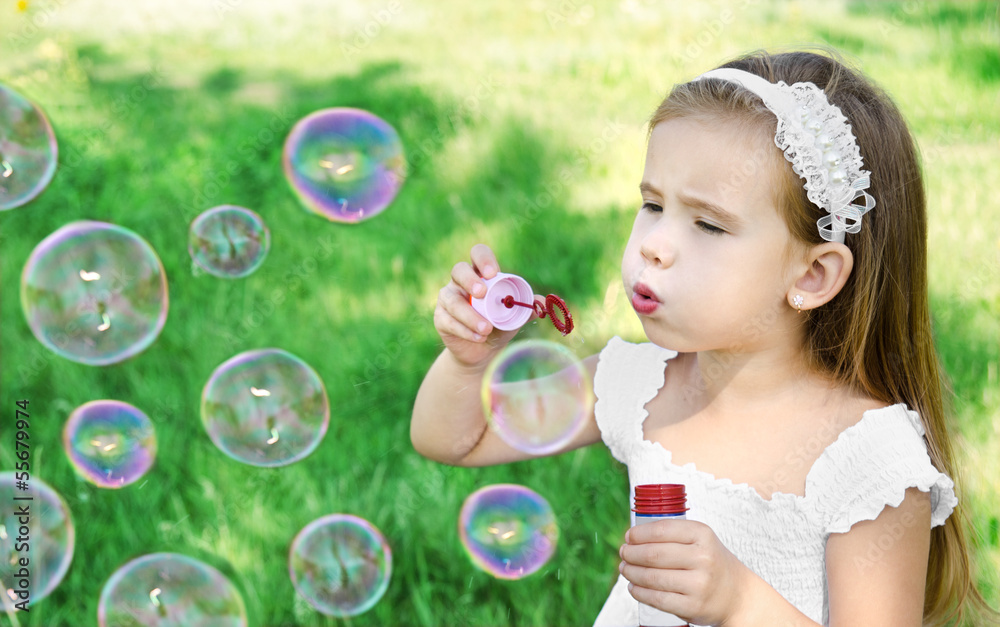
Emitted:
pixel 651 207
pixel 709 228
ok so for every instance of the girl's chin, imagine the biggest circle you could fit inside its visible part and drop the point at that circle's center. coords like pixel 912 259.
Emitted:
pixel 670 338
pixel 655 333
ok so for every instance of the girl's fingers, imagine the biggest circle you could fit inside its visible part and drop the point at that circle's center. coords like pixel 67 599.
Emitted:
pixel 466 278
pixel 484 261
pixel 453 300
pixel 467 281
pixel 656 578
pixel 446 324
pixel 679 531
pixel 659 555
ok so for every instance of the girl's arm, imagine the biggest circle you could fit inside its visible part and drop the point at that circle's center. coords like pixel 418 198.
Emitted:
pixel 448 424
pixel 876 572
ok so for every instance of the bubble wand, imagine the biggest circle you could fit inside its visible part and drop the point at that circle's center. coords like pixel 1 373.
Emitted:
pixel 504 292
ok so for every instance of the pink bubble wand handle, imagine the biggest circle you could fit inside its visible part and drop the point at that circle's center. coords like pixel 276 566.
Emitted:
pixel 505 291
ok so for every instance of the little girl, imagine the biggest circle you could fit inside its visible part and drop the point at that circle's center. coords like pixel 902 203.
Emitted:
pixel 778 266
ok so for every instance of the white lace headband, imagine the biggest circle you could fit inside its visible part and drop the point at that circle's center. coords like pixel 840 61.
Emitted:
pixel 817 140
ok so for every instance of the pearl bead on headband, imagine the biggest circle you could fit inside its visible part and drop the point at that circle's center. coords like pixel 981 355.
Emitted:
pixel 816 139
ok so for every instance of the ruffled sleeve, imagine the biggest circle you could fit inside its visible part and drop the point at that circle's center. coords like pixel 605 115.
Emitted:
pixel 871 465
pixel 627 377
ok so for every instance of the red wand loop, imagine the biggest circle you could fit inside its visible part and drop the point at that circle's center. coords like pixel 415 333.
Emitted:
pixel 552 302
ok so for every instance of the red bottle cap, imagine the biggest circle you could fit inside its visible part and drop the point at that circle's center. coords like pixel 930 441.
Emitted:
pixel 660 489
pixel 660 498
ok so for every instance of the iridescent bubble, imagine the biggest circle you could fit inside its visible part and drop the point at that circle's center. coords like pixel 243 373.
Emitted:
pixel 537 395
pixel 169 590
pixel 508 530
pixel 94 292
pixel 344 164
pixel 28 149
pixel 48 535
pixel 229 241
pixel 265 407
pixel 340 564
pixel 109 443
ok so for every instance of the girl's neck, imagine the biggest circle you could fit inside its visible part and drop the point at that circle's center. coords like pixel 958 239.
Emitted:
pixel 727 382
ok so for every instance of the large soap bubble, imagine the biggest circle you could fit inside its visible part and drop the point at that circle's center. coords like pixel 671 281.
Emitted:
pixel 537 395
pixel 94 292
pixel 265 407
pixel 110 443
pixel 46 541
pixel 28 149
pixel 340 564
pixel 228 241
pixel 508 530
pixel 344 164
pixel 169 590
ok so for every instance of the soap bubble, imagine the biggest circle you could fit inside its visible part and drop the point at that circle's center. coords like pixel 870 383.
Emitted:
pixel 169 590
pixel 27 149
pixel 344 164
pixel 537 395
pixel 109 443
pixel 340 564
pixel 265 407
pixel 228 241
pixel 94 292
pixel 49 534
pixel 508 530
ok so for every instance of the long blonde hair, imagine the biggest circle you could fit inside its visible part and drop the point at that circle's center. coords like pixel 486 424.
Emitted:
pixel 875 335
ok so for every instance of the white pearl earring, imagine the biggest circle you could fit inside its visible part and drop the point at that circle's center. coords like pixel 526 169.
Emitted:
pixel 797 300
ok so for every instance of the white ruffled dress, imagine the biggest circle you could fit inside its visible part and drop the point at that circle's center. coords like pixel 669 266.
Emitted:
pixel 869 466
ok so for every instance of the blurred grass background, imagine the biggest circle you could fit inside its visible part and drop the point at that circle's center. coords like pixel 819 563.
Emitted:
pixel 523 124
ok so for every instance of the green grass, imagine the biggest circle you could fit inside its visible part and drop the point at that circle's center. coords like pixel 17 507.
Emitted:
pixel 496 107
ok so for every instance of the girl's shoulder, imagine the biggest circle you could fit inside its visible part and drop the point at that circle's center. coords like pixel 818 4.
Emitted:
pixel 618 352
pixel 869 466
pixel 629 370
pixel 626 377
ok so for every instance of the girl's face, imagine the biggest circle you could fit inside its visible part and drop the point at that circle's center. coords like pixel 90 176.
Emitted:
pixel 705 266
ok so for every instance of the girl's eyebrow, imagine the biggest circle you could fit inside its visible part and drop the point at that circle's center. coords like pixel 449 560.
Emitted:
pixel 709 208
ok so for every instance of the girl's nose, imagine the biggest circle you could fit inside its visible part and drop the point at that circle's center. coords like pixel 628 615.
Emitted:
pixel 657 246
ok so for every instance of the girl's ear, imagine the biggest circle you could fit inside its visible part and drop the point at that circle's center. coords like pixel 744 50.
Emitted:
pixel 828 265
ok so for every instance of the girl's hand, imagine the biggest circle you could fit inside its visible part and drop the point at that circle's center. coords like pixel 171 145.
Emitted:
pixel 469 337
pixel 681 567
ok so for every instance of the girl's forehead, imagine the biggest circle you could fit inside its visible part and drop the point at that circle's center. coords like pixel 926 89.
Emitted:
pixel 733 162
pixel 712 132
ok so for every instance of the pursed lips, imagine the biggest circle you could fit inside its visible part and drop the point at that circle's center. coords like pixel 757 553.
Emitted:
pixel 644 300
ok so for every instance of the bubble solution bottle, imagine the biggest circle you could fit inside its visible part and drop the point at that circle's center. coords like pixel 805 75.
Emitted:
pixel 653 502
